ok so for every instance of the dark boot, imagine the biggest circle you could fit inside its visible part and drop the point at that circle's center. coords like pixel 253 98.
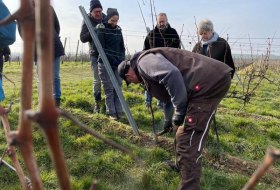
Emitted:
pixel 96 108
pixel 113 117
pixel 57 102
pixel 97 99
pixel 167 128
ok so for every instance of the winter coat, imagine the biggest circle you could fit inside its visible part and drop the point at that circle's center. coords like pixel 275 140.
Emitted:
pixel 162 38
pixel 219 50
pixel 86 37
pixel 58 47
pixel 179 75
pixel 112 42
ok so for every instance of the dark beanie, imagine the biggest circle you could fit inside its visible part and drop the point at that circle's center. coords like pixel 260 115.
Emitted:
pixel 111 12
pixel 95 4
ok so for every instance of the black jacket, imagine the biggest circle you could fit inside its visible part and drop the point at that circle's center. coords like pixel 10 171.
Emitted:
pixel 86 37
pixel 58 47
pixel 166 38
pixel 218 50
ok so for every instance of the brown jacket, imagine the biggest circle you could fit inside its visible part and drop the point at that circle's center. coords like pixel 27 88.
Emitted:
pixel 178 75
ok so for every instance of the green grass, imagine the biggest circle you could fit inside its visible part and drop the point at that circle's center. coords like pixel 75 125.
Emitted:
pixel 245 134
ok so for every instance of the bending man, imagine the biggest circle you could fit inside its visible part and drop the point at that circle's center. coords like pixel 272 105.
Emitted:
pixel 195 84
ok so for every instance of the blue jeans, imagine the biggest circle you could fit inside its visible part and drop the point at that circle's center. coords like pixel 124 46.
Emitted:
pixel 148 100
pixel 96 85
pixel 2 94
pixel 56 78
pixel 168 108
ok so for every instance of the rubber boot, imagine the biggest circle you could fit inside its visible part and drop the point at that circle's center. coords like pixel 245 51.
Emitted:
pixel 57 102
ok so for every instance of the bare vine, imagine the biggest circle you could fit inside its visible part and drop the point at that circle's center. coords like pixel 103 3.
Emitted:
pixel 250 74
pixel 37 21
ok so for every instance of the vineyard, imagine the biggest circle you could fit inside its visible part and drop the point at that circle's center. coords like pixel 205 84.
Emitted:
pixel 43 146
pixel 246 130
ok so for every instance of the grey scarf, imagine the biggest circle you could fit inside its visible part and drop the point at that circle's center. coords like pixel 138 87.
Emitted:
pixel 213 39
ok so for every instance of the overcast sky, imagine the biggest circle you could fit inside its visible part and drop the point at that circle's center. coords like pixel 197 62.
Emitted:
pixel 245 22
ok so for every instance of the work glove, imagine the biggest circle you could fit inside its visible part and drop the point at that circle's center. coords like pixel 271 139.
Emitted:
pixel 6 58
pixel 178 119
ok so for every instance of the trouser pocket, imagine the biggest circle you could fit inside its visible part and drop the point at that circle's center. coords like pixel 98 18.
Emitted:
pixel 198 116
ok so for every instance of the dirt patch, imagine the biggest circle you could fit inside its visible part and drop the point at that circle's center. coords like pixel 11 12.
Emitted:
pixel 224 162
pixel 233 164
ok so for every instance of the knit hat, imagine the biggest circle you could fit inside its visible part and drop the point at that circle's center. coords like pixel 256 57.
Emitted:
pixel 95 4
pixel 111 12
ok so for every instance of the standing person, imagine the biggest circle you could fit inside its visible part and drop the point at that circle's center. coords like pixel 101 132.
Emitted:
pixel 5 53
pixel 58 52
pixel 111 39
pixel 4 57
pixel 212 45
pixel 96 17
pixel 7 37
pixel 195 84
pixel 163 35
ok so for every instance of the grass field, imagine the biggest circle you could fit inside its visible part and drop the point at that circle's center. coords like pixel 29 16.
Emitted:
pixel 245 134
